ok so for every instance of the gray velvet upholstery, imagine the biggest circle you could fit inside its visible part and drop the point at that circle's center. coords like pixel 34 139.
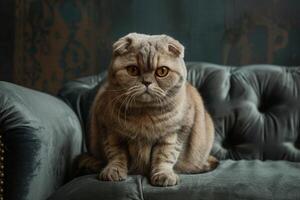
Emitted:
pixel 41 136
pixel 231 180
pixel 255 110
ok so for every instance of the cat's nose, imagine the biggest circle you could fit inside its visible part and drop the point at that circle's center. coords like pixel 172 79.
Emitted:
pixel 146 83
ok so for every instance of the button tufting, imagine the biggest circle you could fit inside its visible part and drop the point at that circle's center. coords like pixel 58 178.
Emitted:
pixel 225 144
pixel 267 103
pixel 262 108
pixel 297 145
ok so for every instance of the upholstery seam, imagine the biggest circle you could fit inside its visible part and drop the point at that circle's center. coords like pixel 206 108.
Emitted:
pixel 141 188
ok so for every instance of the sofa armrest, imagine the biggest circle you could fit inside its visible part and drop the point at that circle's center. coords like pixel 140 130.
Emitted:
pixel 41 136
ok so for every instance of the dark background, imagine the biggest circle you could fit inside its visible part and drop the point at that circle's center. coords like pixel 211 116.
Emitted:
pixel 44 43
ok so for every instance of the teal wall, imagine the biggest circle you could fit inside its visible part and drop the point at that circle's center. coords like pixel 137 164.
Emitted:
pixel 58 40
pixel 199 25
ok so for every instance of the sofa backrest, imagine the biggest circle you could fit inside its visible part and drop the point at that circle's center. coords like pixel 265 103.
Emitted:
pixel 255 108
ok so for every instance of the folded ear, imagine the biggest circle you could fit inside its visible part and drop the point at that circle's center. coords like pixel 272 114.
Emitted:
pixel 121 46
pixel 176 48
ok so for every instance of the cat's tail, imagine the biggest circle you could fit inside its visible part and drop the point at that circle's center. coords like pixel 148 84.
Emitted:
pixel 86 164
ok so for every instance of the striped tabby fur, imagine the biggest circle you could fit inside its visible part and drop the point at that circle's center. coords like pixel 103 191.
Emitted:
pixel 145 123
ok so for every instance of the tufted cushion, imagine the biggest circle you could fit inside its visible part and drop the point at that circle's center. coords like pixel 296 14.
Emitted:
pixel 255 108
pixel 232 180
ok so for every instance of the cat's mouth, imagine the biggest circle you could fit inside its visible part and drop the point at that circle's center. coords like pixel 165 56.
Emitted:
pixel 146 96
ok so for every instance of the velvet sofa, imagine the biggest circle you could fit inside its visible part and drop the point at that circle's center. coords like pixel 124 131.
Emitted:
pixel 256 113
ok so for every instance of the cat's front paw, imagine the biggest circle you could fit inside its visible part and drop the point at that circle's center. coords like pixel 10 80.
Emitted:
pixel 112 173
pixel 164 178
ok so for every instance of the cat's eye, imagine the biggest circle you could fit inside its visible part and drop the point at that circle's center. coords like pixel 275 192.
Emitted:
pixel 133 70
pixel 162 71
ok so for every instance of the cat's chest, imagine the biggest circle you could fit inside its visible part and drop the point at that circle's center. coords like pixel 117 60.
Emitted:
pixel 147 126
pixel 140 157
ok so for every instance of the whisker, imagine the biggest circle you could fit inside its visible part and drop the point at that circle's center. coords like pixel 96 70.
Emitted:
pixel 126 101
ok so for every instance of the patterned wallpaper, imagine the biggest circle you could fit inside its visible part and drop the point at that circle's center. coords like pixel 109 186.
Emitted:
pixel 59 40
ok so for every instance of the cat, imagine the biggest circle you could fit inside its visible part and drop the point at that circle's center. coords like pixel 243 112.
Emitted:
pixel 146 118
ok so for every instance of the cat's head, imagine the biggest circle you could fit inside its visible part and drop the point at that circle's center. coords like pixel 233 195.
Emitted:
pixel 148 67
